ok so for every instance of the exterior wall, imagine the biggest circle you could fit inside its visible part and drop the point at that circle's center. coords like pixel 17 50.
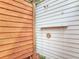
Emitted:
pixel 52 13
pixel 16 29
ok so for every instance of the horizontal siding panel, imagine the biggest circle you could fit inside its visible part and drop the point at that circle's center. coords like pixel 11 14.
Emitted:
pixel 25 3
pixel 72 32
pixel 14 19
pixel 7 35
pixel 15 14
pixel 63 55
pixel 71 36
pixel 13 8
pixel 5 30
pixel 15 50
pixel 58 5
pixel 11 40
pixel 13 56
pixel 14 24
pixel 17 4
pixel 14 45
pixel 74 23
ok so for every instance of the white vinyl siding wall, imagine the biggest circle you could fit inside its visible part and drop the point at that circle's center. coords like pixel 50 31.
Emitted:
pixel 58 13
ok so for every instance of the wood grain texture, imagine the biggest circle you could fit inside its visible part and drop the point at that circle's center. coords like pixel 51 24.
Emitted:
pixel 16 29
